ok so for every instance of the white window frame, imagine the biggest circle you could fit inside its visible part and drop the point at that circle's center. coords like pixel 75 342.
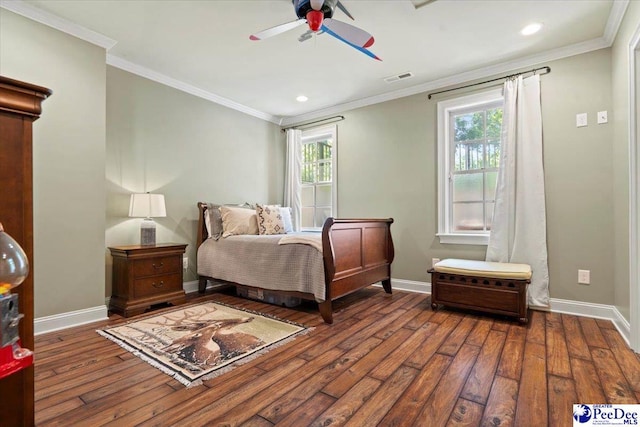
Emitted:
pixel 445 110
pixel 319 134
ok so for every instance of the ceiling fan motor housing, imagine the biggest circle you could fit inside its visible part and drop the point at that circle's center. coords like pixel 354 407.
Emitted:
pixel 327 9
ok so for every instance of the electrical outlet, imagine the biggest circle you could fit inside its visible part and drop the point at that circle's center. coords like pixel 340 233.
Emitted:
pixel 584 277
pixel 434 261
pixel 185 262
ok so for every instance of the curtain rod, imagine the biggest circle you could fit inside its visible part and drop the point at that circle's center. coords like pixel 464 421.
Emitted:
pixel 339 119
pixel 547 70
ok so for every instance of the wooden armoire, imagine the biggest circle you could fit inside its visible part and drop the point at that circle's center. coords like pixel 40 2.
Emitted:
pixel 20 106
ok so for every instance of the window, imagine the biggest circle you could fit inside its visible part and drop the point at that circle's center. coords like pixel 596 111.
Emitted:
pixel 468 161
pixel 318 176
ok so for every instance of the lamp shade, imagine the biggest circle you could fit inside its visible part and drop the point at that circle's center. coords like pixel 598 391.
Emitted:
pixel 145 205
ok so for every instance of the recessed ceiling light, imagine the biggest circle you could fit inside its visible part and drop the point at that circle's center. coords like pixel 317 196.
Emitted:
pixel 302 98
pixel 531 29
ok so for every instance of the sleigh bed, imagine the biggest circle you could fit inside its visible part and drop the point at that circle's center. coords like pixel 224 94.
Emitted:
pixel 349 255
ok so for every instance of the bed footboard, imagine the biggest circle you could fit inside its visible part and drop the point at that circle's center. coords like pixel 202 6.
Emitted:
pixel 357 253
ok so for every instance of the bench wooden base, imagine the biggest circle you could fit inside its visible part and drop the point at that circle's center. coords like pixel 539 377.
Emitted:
pixel 499 296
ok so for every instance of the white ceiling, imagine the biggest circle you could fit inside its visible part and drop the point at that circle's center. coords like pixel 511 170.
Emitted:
pixel 203 47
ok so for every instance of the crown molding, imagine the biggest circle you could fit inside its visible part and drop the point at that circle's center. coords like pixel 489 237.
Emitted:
pixel 150 74
pixel 480 73
pixel 616 15
pixel 54 21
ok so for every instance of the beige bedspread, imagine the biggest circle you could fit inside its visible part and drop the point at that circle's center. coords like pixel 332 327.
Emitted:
pixel 261 262
pixel 311 239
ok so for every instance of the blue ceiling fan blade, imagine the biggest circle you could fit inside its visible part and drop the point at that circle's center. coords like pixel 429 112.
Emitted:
pixel 361 49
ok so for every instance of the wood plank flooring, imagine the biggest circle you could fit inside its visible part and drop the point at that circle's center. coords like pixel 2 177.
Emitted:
pixel 387 360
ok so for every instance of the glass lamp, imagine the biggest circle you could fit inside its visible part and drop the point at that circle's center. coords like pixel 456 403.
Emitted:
pixel 147 206
pixel 14 268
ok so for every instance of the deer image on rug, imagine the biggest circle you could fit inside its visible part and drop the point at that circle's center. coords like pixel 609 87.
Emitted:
pixel 209 343
pixel 201 341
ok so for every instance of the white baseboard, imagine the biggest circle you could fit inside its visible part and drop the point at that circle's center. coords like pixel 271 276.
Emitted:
pixel 409 286
pixel 598 311
pixel 578 308
pixel 56 322
pixel 192 286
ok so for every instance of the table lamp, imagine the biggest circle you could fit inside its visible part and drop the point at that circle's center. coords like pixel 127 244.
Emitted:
pixel 147 206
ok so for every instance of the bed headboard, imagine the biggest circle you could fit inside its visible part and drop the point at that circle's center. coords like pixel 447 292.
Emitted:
pixel 202 228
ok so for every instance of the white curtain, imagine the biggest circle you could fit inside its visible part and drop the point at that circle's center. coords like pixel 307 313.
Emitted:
pixel 292 186
pixel 518 232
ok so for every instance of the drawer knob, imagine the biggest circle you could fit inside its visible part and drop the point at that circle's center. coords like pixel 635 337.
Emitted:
pixel 158 266
pixel 158 285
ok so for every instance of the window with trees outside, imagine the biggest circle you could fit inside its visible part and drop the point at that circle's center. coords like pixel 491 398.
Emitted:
pixel 469 130
pixel 318 176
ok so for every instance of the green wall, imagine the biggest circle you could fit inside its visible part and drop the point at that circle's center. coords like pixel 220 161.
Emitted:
pixel 387 167
pixel 620 143
pixel 162 140
pixel 68 161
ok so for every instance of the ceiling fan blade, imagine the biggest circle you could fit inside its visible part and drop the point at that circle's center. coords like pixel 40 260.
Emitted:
pixel 360 48
pixel 420 3
pixel 278 29
pixel 316 4
pixel 348 32
pixel 344 10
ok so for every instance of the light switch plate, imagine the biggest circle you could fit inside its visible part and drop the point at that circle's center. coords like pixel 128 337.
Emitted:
pixel 581 120
pixel 602 117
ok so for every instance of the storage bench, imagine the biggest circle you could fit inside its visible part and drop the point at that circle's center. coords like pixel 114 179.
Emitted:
pixel 492 287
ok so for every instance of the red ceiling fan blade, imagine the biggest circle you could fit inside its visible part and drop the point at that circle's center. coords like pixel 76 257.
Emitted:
pixel 279 29
pixel 349 33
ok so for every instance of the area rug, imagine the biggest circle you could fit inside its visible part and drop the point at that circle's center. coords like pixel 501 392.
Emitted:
pixel 202 341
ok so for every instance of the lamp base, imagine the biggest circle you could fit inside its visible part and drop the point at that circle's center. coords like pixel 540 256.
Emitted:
pixel 148 232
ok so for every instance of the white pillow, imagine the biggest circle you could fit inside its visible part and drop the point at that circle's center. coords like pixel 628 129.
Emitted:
pixel 236 221
pixel 286 219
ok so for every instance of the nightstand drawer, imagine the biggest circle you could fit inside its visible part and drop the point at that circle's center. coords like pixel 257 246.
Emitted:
pixel 157 285
pixel 156 266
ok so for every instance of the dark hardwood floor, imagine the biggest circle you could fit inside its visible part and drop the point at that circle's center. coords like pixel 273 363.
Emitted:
pixel 387 360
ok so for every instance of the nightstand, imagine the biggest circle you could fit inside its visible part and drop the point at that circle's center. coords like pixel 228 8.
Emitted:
pixel 146 275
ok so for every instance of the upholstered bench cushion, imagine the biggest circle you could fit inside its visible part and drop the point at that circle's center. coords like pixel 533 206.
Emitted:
pixel 498 270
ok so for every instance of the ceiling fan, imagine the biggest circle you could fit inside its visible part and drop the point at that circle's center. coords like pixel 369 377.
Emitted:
pixel 318 14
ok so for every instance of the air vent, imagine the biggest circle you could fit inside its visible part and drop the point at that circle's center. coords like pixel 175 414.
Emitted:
pixel 398 77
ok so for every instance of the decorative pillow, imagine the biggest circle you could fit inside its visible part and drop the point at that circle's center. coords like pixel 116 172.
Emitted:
pixel 286 219
pixel 269 219
pixel 213 221
pixel 237 220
